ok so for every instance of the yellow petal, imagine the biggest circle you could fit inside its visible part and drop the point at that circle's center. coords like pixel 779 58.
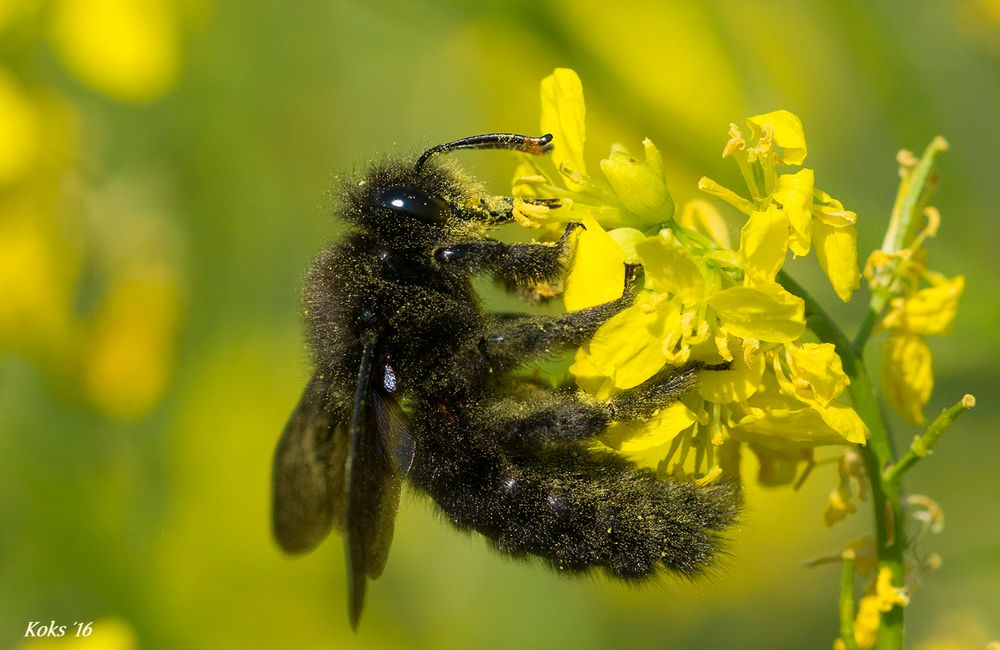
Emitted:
pixel 701 216
pixel 837 252
pixel 888 595
pixel 932 310
pixel 816 375
pixel 628 347
pixel 838 506
pixel 707 185
pixel 127 49
pixel 640 187
pixel 866 623
pixel 795 194
pixel 589 377
pixel 734 385
pixel 563 114
pixel 831 211
pixel 788 134
pixel 669 267
pixel 768 314
pixel 597 274
pixel 844 420
pixel 907 375
pixel 764 243
pixel 631 437
pixel 772 424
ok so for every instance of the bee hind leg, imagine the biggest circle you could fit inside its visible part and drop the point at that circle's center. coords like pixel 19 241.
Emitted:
pixel 546 416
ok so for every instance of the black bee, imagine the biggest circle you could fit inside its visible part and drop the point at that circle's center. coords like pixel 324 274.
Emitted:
pixel 414 380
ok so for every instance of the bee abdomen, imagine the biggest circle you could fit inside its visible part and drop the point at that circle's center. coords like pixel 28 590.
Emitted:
pixel 580 511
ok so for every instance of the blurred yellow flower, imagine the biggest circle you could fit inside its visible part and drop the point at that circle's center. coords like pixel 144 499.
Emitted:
pixel 128 355
pixel 20 130
pixel 127 49
pixel 115 347
pixel 36 283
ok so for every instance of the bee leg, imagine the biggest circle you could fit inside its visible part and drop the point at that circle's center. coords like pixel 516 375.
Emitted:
pixel 511 340
pixel 514 264
pixel 559 415
pixel 662 389
pixel 548 416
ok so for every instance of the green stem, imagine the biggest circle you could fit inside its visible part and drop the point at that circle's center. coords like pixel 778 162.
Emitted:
pixel 922 445
pixel 878 454
pixel 847 605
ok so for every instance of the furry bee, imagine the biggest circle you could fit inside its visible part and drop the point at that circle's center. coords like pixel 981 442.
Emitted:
pixel 415 381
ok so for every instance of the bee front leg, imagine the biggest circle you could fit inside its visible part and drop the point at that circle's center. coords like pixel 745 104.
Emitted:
pixel 519 265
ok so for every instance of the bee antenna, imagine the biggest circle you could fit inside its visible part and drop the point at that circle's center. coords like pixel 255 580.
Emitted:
pixel 535 145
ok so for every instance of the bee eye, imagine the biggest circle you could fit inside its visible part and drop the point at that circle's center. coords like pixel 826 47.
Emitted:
pixel 414 202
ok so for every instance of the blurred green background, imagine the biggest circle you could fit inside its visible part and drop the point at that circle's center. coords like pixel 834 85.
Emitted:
pixel 163 174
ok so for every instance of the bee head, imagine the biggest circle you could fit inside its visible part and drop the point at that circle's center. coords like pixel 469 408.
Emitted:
pixel 412 204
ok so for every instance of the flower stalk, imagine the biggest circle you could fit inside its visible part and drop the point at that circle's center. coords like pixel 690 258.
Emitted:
pixel 923 444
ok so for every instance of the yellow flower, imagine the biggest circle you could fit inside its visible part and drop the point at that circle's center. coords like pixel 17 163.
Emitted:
pixel 880 597
pixel 786 211
pixel 921 302
pixel 866 623
pixel 20 130
pixel 700 300
pixel 127 49
pixel 927 311
pixel 630 192
pixel 127 360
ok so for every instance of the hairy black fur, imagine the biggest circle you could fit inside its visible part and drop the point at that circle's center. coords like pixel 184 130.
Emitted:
pixel 510 460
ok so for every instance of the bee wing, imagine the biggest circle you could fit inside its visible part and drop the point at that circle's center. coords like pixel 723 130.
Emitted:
pixel 308 471
pixel 394 433
pixel 372 487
